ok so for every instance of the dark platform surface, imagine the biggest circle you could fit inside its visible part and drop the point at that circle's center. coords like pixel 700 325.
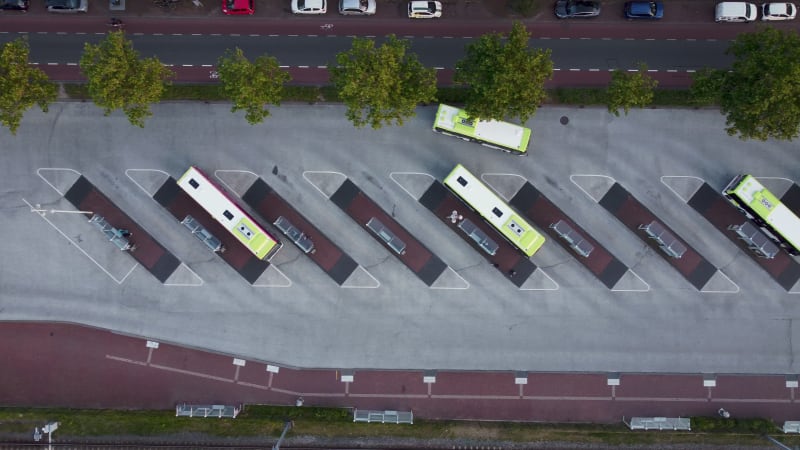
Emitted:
pixel 149 253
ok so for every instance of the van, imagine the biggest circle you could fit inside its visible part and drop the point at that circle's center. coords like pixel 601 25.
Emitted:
pixel 735 12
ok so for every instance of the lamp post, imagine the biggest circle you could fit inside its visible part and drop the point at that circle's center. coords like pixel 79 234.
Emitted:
pixel 37 208
pixel 286 428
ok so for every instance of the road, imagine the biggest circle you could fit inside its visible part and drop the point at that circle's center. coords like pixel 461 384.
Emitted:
pixel 589 50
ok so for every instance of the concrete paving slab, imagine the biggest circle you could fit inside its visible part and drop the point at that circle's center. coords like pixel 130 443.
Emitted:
pixel 60 179
pixel 327 183
pixel 414 184
pixel 184 276
pixel 581 326
pixel 149 180
pixel 595 186
pixel 504 184
pixel 630 282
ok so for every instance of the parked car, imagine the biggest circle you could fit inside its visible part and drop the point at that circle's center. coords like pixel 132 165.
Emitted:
pixel 644 10
pixel 238 7
pixel 309 6
pixel 778 11
pixel 67 6
pixel 577 8
pixel 14 5
pixel 735 12
pixel 357 7
pixel 424 10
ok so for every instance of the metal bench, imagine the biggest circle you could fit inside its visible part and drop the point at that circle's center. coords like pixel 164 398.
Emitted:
pixel 475 233
pixel 204 235
pixel 116 236
pixel 298 237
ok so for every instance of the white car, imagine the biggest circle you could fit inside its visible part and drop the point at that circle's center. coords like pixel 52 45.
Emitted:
pixel 778 11
pixel 309 6
pixel 735 12
pixel 357 7
pixel 424 10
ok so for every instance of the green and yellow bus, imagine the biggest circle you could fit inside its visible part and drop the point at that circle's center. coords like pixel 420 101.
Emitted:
pixel 214 201
pixel 764 208
pixel 494 211
pixel 496 134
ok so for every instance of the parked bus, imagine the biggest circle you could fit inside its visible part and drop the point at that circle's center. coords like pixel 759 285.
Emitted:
pixel 764 208
pixel 491 133
pixel 213 199
pixel 495 211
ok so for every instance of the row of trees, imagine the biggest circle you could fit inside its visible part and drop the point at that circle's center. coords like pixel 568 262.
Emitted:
pixel 382 85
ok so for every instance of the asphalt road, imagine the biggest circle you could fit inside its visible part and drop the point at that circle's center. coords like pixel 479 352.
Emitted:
pixel 313 51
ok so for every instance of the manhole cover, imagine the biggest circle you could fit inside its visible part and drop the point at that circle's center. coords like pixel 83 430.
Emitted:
pixel 564 120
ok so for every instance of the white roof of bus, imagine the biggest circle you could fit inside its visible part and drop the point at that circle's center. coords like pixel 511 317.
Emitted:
pixel 446 116
pixel 503 133
pixel 210 198
pixel 479 196
pixel 780 218
pixel 783 219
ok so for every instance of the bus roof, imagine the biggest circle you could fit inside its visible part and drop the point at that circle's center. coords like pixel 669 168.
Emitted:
pixel 495 210
pixel 492 131
pixel 216 203
pixel 770 208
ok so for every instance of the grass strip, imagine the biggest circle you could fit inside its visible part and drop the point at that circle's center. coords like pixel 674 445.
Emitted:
pixel 267 422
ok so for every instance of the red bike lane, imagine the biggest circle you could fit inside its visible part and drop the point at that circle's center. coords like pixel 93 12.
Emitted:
pixel 55 364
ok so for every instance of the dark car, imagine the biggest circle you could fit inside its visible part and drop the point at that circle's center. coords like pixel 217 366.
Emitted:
pixel 14 5
pixel 577 8
pixel 644 10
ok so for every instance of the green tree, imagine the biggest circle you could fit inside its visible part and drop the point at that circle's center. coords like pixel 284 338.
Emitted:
pixel 119 79
pixel 251 85
pixel 760 94
pixel 630 89
pixel 504 77
pixel 381 85
pixel 21 86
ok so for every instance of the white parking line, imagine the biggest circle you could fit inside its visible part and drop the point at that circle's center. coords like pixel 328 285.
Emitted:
pixel 44 216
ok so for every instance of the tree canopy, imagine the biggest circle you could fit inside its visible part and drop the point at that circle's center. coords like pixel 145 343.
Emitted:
pixel 504 77
pixel 630 89
pixel 21 86
pixel 251 85
pixel 760 94
pixel 119 79
pixel 382 85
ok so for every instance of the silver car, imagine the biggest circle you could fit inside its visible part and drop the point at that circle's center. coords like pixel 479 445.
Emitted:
pixel 67 6
pixel 357 7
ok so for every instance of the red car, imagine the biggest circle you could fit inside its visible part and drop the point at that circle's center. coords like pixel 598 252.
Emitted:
pixel 238 7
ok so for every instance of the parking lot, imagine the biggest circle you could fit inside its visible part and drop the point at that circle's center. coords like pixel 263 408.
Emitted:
pixel 566 319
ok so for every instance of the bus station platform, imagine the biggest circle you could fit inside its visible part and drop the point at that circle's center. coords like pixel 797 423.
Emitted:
pixel 452 212
pixel 726 217
pixel 548 217
pixel 388 232
pixel 180 205
pixel 791 199
pixel 145 249
pixel 665 242
pixel 327 255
